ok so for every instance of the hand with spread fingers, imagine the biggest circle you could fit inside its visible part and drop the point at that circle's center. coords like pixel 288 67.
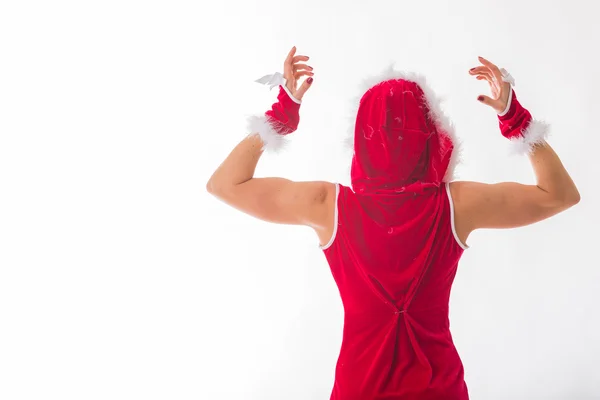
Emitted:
pixel 500 89
pixel 293 70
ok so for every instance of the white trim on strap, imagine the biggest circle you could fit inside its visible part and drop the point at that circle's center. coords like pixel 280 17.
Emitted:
pixel 460 243
pixel 335 219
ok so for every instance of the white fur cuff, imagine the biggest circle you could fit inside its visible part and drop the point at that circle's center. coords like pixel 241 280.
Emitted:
pixel 535 134
pixel 272 141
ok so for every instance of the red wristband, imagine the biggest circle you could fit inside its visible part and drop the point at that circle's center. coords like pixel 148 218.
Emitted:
pixel 516 120
pixel 517 124
pixel 284 115
pixel 281 120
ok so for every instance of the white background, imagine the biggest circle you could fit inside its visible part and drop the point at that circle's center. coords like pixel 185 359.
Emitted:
pixel 121 278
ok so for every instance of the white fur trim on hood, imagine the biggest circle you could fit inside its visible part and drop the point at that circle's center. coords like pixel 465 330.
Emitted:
pixel 435 110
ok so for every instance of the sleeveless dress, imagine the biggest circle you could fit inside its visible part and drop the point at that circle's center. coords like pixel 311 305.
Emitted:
pixel 394 257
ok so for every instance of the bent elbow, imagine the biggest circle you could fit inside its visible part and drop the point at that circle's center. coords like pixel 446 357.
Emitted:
pixel 214 184
pixel 213 187
pixel 560 202
pixel 571 195
pixel 568 200
pixel 573 198
pixel 210 187
pixel 219 189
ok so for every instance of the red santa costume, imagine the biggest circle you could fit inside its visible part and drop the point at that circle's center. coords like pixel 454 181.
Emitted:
pixel 394 252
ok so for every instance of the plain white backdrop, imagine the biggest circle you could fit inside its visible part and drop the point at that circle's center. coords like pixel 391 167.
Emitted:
pixel 121 278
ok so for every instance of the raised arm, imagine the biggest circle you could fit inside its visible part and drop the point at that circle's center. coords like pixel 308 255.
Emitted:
pixel 275 200
pixel 510 204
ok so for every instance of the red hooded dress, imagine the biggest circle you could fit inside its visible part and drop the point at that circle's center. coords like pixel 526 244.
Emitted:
pixel 394 252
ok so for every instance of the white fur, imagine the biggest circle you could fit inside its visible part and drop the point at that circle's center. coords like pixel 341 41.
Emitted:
pixel 536 133
pixel 433 101
pixel 272 141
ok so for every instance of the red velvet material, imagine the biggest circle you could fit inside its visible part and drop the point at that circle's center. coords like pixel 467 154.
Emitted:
pixel 394 259
pixel 284 115
pixel 515 121
pixel 397 146
pixel 394 256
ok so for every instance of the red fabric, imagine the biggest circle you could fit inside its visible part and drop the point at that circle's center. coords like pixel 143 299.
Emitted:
pixel 394 255
pixel 394 259
pixel 396 143
pixel 284 115
pixel 515 121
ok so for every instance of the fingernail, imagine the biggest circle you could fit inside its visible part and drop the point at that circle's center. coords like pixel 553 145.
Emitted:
pixel 472 69
pixel 480 98
pixel 309 80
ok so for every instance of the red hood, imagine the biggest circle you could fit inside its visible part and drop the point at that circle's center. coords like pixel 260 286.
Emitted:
pixel 401 138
